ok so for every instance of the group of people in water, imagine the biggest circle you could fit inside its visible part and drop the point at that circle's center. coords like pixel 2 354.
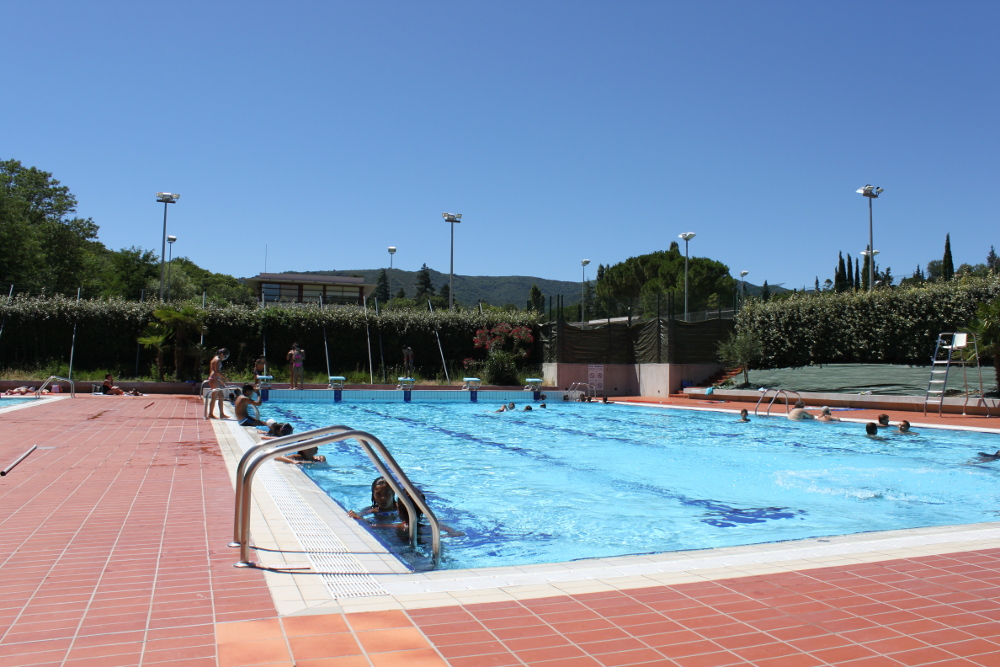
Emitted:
pixel 799 413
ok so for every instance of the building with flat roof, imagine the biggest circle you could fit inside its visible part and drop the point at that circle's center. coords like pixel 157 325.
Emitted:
pixel 309 288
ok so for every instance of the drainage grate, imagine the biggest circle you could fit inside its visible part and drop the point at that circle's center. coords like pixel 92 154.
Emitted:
pixel 343 574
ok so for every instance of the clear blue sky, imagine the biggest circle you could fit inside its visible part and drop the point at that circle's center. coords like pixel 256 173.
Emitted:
pixel 560 130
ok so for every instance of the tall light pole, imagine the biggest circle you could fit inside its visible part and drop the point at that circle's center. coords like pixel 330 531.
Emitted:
pixel 583 290
pixel 166 198
pixel 871 192
pixel 687 236
pixel 743 285
pixel 452 218
pixel 170 262
pixel 392 251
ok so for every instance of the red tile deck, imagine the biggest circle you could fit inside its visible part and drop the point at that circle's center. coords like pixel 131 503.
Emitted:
pixel 112 551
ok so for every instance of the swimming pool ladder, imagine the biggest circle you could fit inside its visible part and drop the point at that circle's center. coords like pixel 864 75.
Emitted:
pixel 954 349
pixel 383 461
pixel 590 390
pixel 72 386
pixel 777 392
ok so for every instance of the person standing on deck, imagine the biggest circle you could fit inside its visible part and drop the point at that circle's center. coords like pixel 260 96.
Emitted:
pixel 296 357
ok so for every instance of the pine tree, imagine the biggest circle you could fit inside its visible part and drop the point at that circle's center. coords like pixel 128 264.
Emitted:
pixel 816 288
pixel 445 291
pixel 840 277
pixel 857 274
pixel 423 285
pixel 850 274
pixel 992 261
pixel 536 300
pixel 401 294
pixel 947 264
pixel 381 287
pixel 765 292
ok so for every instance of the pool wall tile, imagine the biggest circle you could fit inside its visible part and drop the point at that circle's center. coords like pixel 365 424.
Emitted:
pixel 407 396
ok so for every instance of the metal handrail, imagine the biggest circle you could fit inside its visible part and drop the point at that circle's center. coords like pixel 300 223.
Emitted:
pixel 777 392
pixel 3 473
pixel 255 457
pixel 72 386
pixel 591 389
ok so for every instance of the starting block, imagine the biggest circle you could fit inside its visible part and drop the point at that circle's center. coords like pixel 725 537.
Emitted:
pixel 264 381
pixel 406 383
pixel 533 384
pixel 337 381
pixel 471 383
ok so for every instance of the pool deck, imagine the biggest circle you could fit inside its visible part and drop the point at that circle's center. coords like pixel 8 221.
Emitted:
pixel 113 549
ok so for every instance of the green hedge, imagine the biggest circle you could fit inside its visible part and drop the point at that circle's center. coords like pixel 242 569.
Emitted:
pixel 887 326
pixel 40 330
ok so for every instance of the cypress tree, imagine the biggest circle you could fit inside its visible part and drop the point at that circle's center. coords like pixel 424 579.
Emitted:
pixel 992 261
pixel 765 292
pixel 816 288
pixel 857 274
pixel 840 278
pixel 947 265
pixel 850 274
pixel 382 287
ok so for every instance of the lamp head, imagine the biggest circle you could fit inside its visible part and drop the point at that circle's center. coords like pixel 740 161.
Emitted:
pixel 392 250
pixel 171 239
pixel 167 197
pixel 584 262
pixel 870 191
pixel 452 217
pixel 743 274
pixel 687 236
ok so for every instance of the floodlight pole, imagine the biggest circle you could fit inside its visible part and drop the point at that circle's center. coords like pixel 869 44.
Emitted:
pixel 166 198
pixel 452 218
pixel 743 286
pixel 872 192
pixel 170 262
pixel 687 236
pixel 392 251
pixel 583 290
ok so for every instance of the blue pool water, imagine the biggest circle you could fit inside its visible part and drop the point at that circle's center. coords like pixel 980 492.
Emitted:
pixel 590 480
pixel 8 401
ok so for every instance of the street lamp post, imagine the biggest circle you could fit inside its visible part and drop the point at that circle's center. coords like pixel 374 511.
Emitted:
pixel 166 198
pixel 687 236
pixel 583 290
pixel 743 285
pixel 392 251
pixel 170 262
pixel 872 192
pixel 452 218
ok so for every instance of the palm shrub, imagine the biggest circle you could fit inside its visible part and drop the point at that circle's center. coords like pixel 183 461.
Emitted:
pixel 986 326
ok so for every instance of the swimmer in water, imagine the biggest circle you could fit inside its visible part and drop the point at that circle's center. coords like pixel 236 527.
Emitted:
pixel 987 458
pixel 904 428
pixel 383 500
pixel 744 416
pixel 825 416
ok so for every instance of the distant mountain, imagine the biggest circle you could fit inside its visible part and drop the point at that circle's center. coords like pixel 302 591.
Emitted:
pixel 494 290
pixel 469 290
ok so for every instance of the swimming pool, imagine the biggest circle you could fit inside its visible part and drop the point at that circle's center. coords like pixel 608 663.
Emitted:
pixel 8 401
pixel 589 480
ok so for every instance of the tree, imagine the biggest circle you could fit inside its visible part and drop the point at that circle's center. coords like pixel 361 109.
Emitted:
pixel 182 325
pixel 536 300
pixel 741 350
pixel 445 293
pixel 765 292
pixel 401 294
pixel 423 285
pixel 935 269
pixel 986 326
pixel 816 286
pixel 857 274
pixel 850 274
pixel 993 262
pixel 947 264
pixel 382 287
pixel 840 277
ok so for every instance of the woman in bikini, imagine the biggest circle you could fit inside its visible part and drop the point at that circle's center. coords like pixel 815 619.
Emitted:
pixel 216 380
pixel 295 357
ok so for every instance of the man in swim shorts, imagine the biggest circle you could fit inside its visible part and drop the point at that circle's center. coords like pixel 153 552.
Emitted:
pixel 247 398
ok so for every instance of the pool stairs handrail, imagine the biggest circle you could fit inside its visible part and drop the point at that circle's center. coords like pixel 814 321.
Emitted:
pixel 590 390
pixel 948 345
pixel 72 386
pixel 257 455
pixel 777 392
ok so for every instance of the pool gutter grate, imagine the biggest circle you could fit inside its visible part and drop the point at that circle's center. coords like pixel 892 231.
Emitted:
pixel 343 574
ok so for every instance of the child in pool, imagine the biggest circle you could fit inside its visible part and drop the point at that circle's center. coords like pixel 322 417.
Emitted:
pixel 383 500
pixel 743 417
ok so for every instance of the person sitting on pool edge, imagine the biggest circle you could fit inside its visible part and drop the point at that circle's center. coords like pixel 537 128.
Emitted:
pixel 799 413
pixel 744 416
pixel 825 416
pixel 303 456
pixel 383 500
pixel 248 396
